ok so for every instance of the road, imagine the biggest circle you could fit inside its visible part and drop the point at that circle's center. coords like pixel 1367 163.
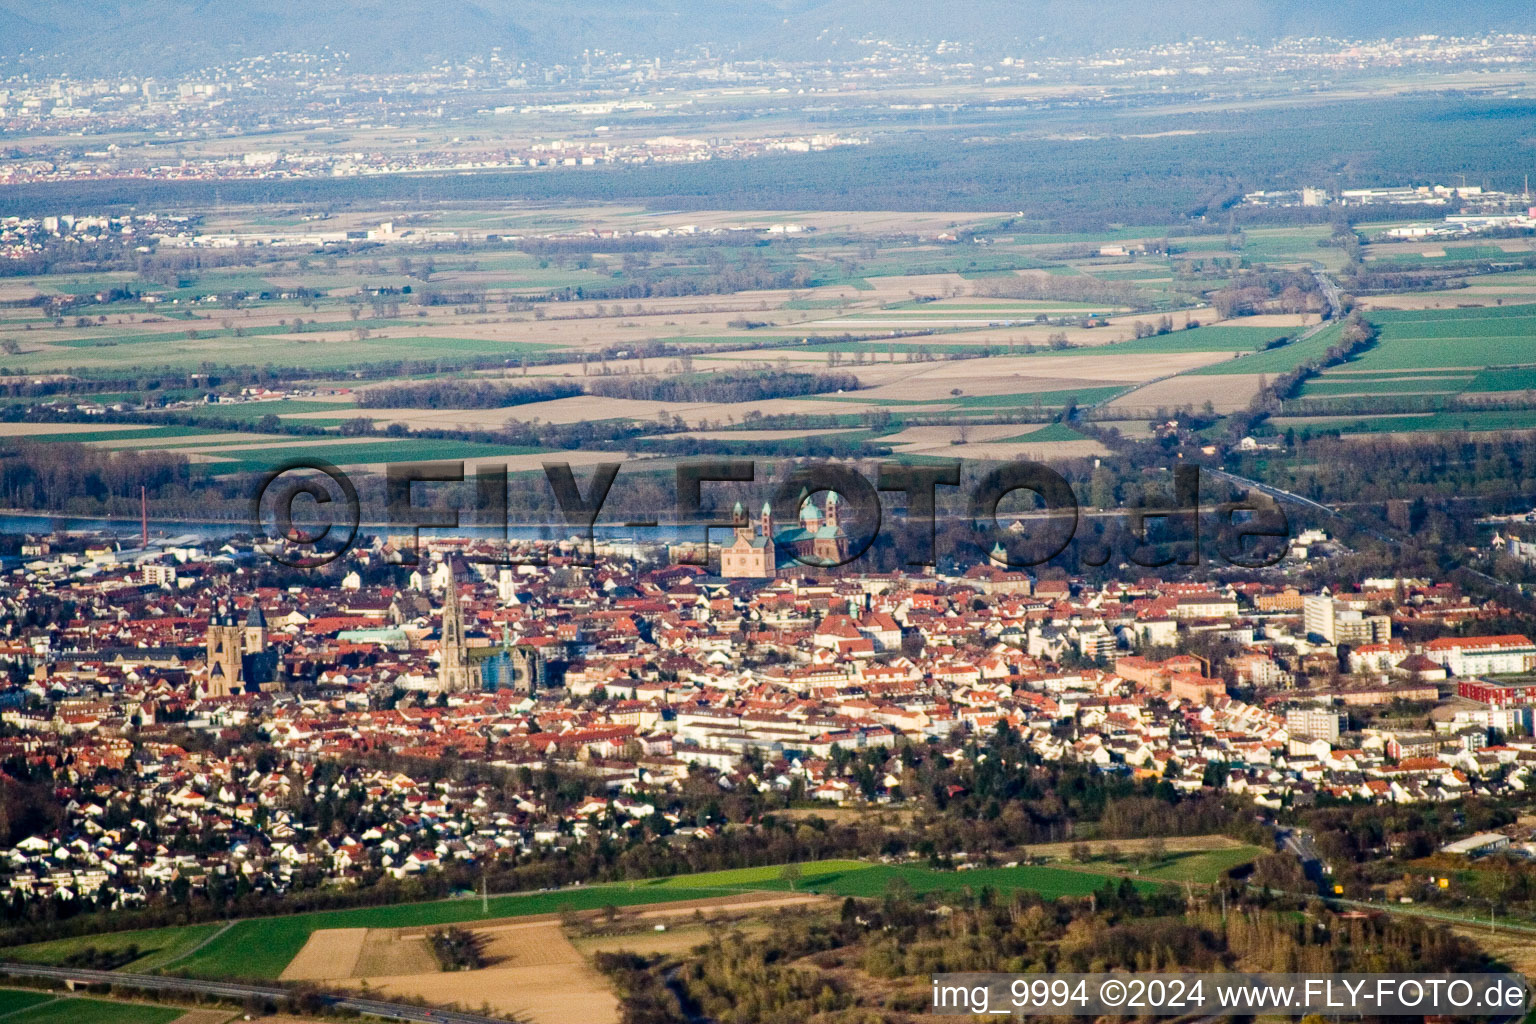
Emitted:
pixel 239 992
pixel 1299 843
pixel 1332 305
pixel 1279 494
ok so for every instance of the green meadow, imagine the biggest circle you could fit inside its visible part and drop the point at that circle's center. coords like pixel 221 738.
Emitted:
pixel 95 1011
pixel 157 946
pixel 1450 420
pixel 261 948
pixel 1276 361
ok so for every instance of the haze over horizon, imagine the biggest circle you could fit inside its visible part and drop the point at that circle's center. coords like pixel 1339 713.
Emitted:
pixel 167 36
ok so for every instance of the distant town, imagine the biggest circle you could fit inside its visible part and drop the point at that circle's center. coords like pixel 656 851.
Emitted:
pixel 497 112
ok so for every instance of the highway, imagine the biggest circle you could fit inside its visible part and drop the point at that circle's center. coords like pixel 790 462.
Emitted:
pixel 1333 307
pixel 239 992
pixel 1280 494
pixel 1277 493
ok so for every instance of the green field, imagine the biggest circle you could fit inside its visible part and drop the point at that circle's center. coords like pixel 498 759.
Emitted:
pixel 1514 379
pixel 1460 313
pixel 258 347
pixel 262 451
pixel 346 273
pixel 814 875
pixel 1330 385
pixel 262 947
pixel 814 304
pixel 95 1011
pixel 1441 343
pixel 1448 421
pixel 1024 400
pixel 1283 244
pixel 1049 882
pixel 124 433
pixel 157 946
pixel 1222 338
pixel 254 458
pixel 1053 432
pixel 1402 348
pixel 859 878
pixel 250 412
pixel 1147 274
pixel 1348 381
pixel 1438 354
pixel 116 340
pixel 1453 253
pixel 15 999
pixel 1276 360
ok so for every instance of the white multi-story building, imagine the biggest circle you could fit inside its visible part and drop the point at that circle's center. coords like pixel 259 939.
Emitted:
pixel 1483 655
pixel 1314 724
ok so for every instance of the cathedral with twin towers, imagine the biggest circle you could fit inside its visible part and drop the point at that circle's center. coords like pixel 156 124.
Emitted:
pixel 817 539
pixel 238 656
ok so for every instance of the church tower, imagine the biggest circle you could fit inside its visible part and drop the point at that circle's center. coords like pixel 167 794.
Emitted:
pixel 223 654
pixel 455 672
pixel 527 669
pixel 255 629
pixel 739 521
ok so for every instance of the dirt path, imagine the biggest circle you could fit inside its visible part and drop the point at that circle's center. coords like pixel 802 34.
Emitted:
pixel 740 901
pixel 182 956
pixel 1172 844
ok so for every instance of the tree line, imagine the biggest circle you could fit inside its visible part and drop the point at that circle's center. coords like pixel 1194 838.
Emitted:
pixel 725 387
pixel 462 394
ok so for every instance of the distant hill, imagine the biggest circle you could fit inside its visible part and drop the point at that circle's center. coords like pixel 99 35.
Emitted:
pixel 168 35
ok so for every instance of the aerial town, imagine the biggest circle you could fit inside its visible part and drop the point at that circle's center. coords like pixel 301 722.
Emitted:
pixel 639 675
pixel 712 512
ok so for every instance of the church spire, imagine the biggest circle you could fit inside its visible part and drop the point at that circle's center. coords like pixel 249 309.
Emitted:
pixel 455 673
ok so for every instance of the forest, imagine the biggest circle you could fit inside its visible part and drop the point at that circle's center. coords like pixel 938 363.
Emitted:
pixel 1141 177
pixel 872 963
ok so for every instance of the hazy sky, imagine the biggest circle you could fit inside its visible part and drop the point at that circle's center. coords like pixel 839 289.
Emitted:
pixel 401 32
